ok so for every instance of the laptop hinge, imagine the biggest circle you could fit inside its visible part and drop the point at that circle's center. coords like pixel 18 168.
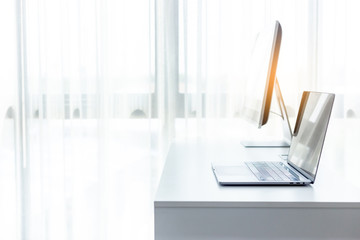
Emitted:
pixel 302 172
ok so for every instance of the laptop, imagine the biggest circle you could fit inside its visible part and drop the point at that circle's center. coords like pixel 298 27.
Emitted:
pixel 302 162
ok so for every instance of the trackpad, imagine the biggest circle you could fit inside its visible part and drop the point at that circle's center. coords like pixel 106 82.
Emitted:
pixel 235 173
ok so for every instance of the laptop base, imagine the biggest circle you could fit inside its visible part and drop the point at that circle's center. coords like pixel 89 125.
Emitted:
pixel 265 144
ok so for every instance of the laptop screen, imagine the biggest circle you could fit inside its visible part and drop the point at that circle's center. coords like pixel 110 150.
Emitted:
pixel 310 129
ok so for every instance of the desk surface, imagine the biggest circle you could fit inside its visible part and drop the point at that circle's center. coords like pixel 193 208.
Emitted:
pixel 188 180
pixel 191 205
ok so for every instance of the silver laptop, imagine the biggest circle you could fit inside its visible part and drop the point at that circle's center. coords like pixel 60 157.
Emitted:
pixel 302 162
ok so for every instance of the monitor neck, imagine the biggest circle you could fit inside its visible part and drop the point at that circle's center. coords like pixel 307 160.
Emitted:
pixel 285 119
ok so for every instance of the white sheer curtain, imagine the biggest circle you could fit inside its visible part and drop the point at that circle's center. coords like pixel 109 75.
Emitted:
pixel 9 147
pixel 93 92
pixel 91 163
pixel 339 50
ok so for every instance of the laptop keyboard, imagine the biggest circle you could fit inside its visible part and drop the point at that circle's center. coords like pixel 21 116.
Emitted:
pixel 272 171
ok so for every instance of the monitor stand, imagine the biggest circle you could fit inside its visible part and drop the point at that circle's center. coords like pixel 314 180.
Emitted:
pixel 286 127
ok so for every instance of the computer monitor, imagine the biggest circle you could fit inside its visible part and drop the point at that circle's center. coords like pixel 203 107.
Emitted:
pixel 261 83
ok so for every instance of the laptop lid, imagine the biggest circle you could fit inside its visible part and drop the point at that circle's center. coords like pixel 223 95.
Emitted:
pixel 309 133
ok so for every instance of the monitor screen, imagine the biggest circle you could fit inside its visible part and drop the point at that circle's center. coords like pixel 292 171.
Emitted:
pixel 261 75
pixel 310 129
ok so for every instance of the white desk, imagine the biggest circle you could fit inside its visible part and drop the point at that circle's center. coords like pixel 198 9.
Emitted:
pixel 190 204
